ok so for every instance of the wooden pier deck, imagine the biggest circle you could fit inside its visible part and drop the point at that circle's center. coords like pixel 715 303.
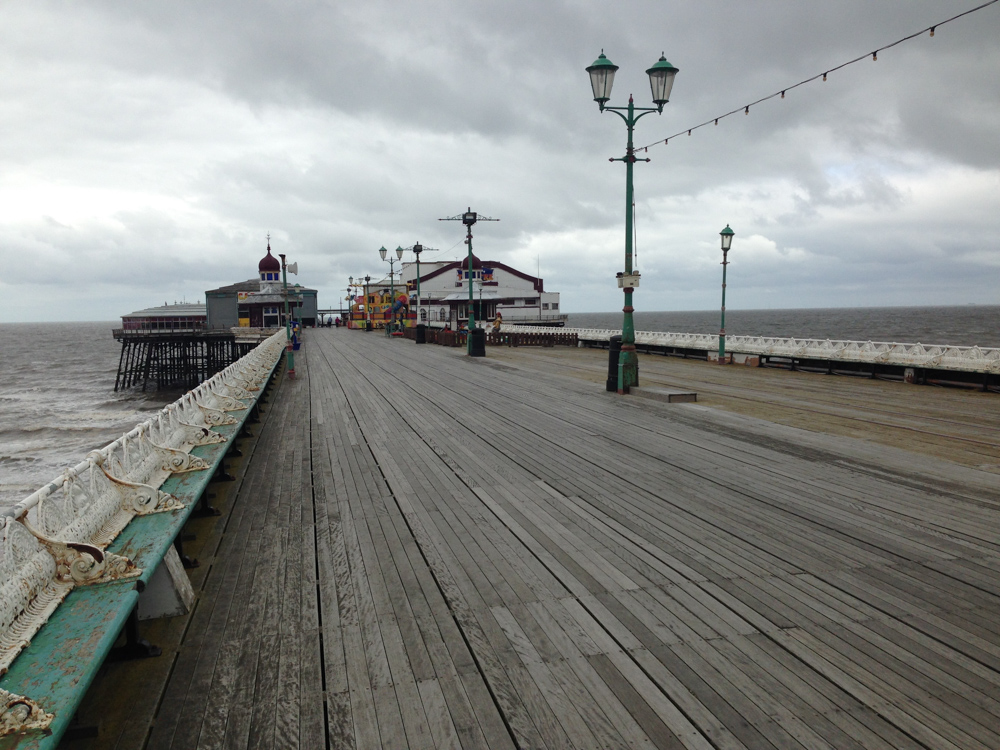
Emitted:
pixel 433 551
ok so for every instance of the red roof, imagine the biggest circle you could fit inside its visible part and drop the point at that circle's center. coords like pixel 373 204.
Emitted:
pixel 269 262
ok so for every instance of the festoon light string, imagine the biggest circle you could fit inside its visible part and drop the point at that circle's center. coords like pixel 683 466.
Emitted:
pixel 745 109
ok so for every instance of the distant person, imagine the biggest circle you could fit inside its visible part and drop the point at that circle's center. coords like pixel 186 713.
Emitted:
pixel 497 322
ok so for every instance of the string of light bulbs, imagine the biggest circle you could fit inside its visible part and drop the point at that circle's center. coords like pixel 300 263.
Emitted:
pixel 745 109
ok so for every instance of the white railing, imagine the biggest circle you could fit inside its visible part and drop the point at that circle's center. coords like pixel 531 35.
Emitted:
pixel 55 538
pixel 937 357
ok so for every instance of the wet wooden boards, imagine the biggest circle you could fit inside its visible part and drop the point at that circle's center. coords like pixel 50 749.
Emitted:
pixel 434 551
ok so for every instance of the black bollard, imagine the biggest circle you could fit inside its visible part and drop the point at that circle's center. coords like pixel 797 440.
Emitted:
pixel 614 352
pixel 477 347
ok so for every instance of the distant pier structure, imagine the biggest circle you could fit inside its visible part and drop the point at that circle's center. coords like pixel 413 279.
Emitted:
pixel 171 347
pixel 181 345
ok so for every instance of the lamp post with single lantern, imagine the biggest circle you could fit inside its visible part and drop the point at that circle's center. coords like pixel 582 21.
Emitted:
pixel 727 242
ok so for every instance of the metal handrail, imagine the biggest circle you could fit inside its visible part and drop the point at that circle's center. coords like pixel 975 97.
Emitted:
pixel 936 356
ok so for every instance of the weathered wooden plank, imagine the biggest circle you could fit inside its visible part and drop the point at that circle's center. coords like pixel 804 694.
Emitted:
pixel 489 564
pixel 442 728
pixel 856 720
pixel 659 735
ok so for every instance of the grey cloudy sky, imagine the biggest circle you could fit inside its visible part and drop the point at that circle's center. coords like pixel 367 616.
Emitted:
pixel 148 148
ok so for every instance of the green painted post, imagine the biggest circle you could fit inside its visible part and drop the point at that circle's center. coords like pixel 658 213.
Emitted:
pixel 469 218
pixel 472 314
pixel 628 367
pixel 368 309
pixel 727 241
pixel 417 249
pixel 661 80
pixel 392 299
pixel 722 325
pixel 288 319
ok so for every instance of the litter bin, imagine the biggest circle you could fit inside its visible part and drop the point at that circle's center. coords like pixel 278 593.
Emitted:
pixel 421 337
pixel 477 344
pixel 368 325
pixel 614 351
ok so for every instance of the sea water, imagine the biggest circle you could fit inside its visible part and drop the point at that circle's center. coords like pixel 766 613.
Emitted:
pixel 57 401
pixel 57 398
pixel 968 325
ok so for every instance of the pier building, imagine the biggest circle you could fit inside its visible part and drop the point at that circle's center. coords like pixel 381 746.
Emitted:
pixel 516 296
pixel 182 345
pixel 260 302
pixel 498 288
pixel 379 305
pixel 175 317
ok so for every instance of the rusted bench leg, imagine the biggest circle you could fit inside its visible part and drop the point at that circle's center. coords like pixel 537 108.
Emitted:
pixel 135 646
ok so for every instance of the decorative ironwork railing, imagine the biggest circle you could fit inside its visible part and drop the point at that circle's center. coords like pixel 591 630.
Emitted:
pixel 937 357
pixel 55 539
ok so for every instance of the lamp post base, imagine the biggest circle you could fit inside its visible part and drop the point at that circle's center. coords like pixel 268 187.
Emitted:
pixel 628 369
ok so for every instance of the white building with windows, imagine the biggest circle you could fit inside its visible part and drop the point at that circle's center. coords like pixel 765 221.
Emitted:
pixel 497 288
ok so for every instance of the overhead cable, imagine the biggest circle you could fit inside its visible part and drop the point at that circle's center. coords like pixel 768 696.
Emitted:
pixel 745 108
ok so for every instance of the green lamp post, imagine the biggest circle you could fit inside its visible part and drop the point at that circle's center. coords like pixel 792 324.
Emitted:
pixel 368 314
pixel 398 324
pixel 661 80
pixel 392 289
pixel 417 249
pixel 350 301
pixel 469 219
pixel 290 355
pixel 727 242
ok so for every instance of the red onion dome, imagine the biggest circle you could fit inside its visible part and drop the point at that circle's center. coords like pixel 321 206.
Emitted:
pixel 269 262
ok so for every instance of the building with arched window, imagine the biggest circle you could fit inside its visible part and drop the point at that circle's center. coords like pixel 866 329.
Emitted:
pixel 497 289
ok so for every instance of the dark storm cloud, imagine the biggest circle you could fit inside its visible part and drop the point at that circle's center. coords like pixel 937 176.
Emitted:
pixel 168 138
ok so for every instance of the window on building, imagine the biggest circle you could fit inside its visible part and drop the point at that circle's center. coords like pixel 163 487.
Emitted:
pixel 555 305
pixel 423 314
pixel 545 305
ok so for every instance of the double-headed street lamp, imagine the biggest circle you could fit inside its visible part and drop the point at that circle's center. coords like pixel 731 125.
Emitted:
pixel 727 242
pixel 661 80
pixel 392 289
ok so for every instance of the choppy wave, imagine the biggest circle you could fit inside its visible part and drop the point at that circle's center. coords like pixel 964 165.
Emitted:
pixel 57 401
